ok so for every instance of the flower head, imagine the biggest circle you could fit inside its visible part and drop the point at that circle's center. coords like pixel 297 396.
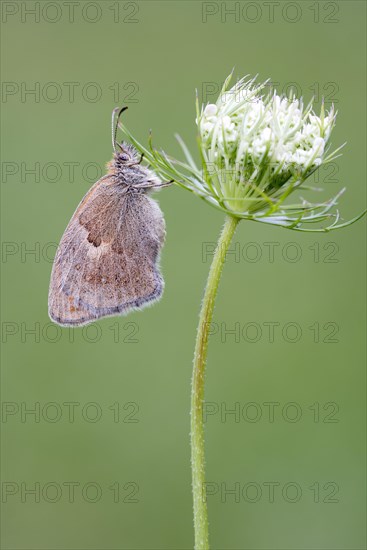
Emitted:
pixel 255 146
pixel 256 149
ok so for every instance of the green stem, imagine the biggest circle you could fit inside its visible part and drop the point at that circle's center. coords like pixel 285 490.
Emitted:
pixel 198 381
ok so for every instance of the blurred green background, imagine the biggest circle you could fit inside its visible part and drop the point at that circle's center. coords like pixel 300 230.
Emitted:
pixel 128 379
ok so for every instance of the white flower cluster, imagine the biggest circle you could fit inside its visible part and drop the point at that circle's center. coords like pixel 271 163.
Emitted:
pixel 245 128
pixel 255 152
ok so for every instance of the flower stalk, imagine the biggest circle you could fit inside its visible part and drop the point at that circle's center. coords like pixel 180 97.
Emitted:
pixel 256 150
pixel 198 382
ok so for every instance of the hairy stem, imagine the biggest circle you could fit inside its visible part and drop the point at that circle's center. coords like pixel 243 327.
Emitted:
pixel 198 382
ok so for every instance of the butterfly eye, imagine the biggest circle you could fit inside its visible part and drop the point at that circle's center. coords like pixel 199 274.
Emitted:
pixel 124 157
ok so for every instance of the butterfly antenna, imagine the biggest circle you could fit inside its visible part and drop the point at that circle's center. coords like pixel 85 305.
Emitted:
pixel 115 125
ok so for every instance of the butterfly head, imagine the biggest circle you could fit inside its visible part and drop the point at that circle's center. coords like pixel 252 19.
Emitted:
pixel 126 154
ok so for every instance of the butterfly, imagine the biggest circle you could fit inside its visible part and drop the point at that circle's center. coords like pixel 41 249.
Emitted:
pixel 107 260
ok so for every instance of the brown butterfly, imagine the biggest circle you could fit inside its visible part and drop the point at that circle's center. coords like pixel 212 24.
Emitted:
pixel 106 263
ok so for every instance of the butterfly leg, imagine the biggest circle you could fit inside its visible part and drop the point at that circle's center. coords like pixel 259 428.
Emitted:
pixel 139 162
pixel 165 183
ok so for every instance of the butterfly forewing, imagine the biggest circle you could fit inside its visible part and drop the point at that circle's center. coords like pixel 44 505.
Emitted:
pixel 106 263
